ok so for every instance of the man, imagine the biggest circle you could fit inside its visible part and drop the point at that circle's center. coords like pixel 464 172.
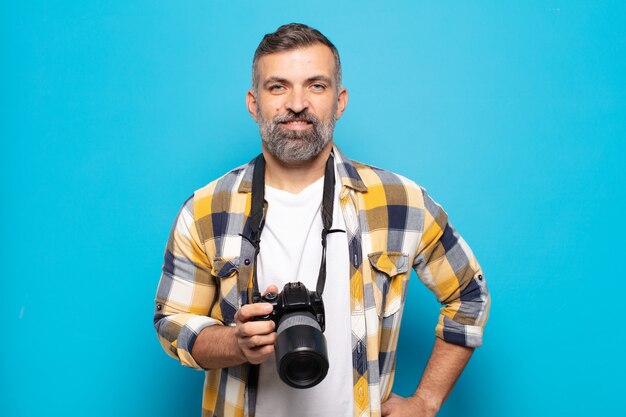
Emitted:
pixel 384 223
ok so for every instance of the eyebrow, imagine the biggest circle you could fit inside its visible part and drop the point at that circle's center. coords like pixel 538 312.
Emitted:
pixel 275 80
pixel 323 78
pixel 308 80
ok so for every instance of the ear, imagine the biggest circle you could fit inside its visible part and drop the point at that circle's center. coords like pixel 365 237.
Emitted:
pixel 252 104
pixel 342 102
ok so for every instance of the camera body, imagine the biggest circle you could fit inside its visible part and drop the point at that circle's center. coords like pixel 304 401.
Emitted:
pixel 295 298
pixel 301 352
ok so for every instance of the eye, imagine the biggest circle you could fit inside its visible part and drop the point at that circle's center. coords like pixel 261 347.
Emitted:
pixel 276 88
pixel 318 87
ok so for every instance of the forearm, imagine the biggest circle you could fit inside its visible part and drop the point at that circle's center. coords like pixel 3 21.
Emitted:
pixel 247 341
pixel 217 347
pixel 443 369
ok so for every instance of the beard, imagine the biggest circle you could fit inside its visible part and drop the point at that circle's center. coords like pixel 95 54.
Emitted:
pixel 291 146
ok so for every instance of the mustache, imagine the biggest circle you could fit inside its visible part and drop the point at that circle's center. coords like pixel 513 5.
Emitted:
pixel 292 116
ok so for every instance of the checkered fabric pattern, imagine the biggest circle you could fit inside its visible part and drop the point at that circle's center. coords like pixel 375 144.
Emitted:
pixel 392 225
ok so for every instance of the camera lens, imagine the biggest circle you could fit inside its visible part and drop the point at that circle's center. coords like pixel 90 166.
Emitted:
pixel 301 353
pixel 302 369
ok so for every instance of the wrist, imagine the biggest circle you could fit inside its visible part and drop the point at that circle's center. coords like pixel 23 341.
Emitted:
pixel 217 347
pixel 239 354
pixel 429 401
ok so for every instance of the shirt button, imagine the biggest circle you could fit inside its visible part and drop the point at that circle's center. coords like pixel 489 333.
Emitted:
pixel 246 262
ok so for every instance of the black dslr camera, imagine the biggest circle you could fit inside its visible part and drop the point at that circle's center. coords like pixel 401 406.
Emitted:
pixel 301 355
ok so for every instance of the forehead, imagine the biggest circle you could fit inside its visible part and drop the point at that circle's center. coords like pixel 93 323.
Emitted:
pixel 297 63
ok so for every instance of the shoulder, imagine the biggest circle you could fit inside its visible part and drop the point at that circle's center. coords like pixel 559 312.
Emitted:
pixel 395 188
pixel 217 194
pixel 229 182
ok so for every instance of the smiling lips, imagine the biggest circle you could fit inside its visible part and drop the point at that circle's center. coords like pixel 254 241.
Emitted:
pixel 296 124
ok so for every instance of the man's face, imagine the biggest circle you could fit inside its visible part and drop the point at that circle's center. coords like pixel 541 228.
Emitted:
pixel 297 102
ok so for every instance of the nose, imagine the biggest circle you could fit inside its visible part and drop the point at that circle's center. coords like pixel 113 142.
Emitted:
pixel 297 100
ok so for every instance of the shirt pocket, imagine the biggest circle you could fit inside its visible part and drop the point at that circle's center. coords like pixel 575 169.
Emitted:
pixel 225 300
pixel 388 273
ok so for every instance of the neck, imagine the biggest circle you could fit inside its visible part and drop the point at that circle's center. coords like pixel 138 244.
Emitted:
pixel 294 177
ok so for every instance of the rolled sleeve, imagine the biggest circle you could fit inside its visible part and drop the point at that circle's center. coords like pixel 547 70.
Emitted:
pixel 185 292
pixel 447 266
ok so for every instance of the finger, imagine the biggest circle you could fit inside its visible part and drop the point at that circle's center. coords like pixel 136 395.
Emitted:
pixel 387 407
pixel 272 288
pixel 253 328
pixel 256 342
pixel 249 311
pixel 385 410
pixel 260 355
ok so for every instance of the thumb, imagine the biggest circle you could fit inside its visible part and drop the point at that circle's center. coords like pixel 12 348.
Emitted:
pixel 272 288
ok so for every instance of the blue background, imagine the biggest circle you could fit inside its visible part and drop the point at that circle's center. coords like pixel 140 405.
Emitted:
pixel 511 114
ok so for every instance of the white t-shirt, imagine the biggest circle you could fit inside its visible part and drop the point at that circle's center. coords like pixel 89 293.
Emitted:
pixel 291 250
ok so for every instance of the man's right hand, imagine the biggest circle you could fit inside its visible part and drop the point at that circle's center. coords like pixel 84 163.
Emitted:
pixel 246 341
pixel 255 338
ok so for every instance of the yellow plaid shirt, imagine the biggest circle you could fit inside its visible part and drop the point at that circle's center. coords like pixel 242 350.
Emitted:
pixel 391 223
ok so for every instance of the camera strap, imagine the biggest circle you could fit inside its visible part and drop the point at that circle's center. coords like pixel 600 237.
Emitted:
pixel 257 218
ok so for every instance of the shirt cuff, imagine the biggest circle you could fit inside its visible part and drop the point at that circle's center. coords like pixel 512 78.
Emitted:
pixel 187 338
pixel 459 334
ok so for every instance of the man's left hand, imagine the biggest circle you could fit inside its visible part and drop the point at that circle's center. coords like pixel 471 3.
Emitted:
pixel 413 406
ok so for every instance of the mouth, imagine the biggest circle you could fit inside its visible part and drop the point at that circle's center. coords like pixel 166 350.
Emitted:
pixel 296 124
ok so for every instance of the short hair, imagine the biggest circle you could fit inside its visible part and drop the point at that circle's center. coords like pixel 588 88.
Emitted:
pixel 289 37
